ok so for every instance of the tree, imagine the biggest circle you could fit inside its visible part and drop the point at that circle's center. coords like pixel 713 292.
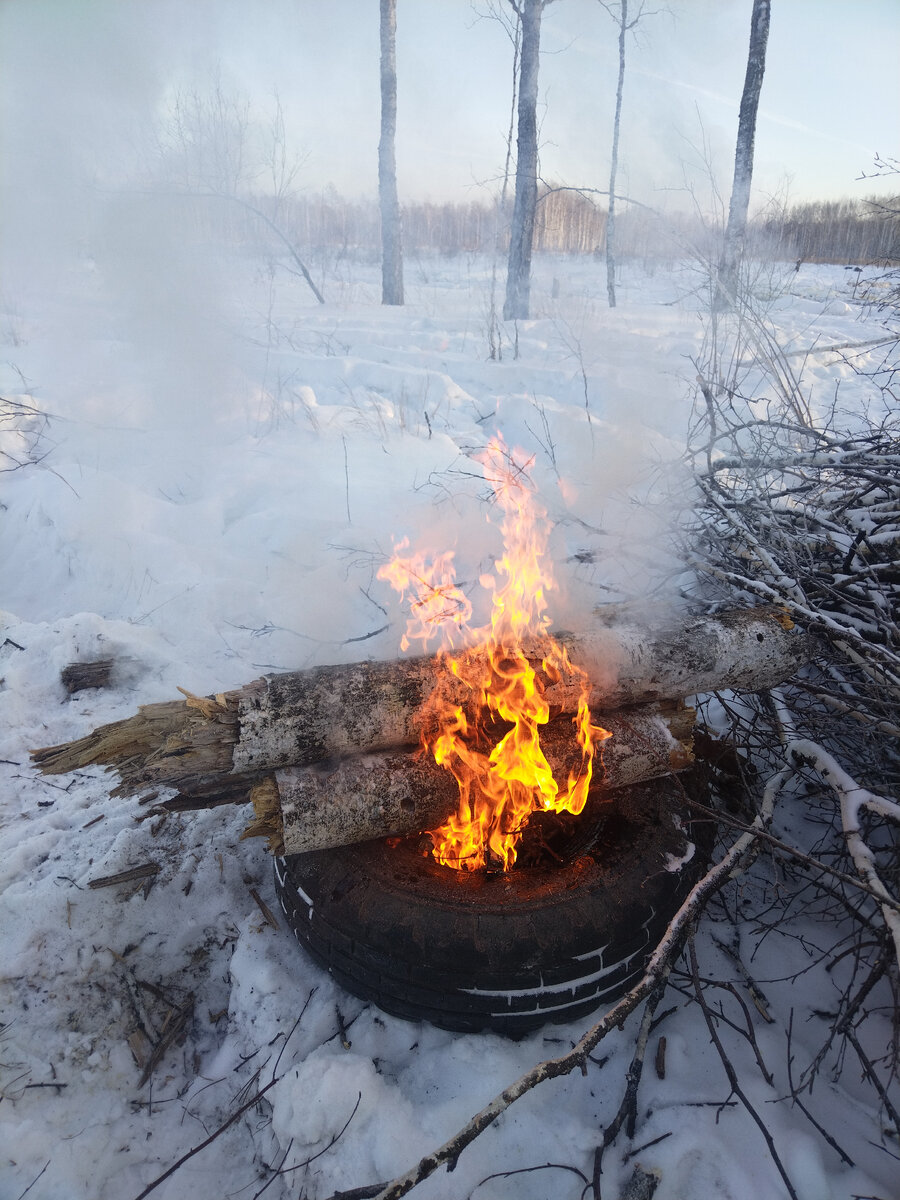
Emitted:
pixel 521 238
pixel 209 148
pixel 618 10
pixel 735 230
pixel 391 239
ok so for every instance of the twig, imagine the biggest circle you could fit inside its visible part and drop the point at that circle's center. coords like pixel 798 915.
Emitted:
pixel 528 1171
pixel 795 1099
pixel 346 481
pixel 334 1138
pixel 852 799
pixel 730 1072
pixel 172 1029
pixel 660 1059
pixel 660 960
pixel 771 840
pixel 151 1187
pixel 756 994
pixel 646 1146
pixel 145 871
pixel 264 908
pixel 36 1178
pixel 876 1083
pixel 627 1114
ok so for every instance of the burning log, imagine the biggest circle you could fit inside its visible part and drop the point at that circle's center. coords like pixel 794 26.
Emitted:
pixel 299 718
pixel 362 797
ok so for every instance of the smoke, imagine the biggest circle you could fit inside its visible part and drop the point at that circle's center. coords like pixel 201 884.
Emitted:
pixel 77 84
pixel 83 92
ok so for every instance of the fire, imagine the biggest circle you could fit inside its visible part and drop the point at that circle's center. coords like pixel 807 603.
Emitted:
pixel 491 741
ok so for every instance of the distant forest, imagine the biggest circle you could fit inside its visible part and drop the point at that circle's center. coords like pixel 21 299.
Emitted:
pixel 568 220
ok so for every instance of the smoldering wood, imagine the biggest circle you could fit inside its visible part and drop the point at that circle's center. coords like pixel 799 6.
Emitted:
pixel 303 717
pixel 362 797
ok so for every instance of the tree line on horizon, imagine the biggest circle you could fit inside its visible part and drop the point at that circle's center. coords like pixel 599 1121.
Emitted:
pixel 567 221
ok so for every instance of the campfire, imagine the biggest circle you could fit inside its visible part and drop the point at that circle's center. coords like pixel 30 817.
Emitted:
pixel 496 732
pixel 468 742
pixel 491 739
pixel 333 755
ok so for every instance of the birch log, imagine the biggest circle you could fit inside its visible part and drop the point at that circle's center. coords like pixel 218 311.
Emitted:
pixel 370 796
pixel 302 717
pixel 299 718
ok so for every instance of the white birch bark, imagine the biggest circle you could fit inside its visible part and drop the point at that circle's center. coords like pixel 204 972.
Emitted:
pixel 391 236
pixel 521 239
pixel 735 230
pixel 387 795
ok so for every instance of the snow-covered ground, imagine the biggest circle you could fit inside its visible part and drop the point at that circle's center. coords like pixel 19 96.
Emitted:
pixel 225 466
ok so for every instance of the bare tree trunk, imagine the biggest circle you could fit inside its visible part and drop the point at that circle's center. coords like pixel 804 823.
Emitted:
pixel 391 241
pixel 521 238
pixel 735 230
pixel 614 164
pixel 514 32
pixel 618 10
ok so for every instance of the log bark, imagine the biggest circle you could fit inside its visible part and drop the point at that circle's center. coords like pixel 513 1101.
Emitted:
pixel 371 796
pixel 298 718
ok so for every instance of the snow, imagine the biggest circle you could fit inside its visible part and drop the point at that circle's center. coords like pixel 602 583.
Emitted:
pixel 225 466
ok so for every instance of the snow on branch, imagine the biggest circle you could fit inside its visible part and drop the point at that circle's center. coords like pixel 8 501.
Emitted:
pixel 853 799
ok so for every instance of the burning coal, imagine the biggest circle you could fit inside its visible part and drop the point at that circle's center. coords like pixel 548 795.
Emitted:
pixel 492 742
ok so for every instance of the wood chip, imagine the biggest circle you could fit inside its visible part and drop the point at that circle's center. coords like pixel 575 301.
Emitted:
pixel 661 1058
pixel 144 871
pixel 264 908
pixel 209 706
pixel 76 677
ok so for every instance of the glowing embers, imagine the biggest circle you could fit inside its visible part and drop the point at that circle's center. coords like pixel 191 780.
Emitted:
pixel 491 741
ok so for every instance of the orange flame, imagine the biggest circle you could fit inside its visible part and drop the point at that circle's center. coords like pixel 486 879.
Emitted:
pixel 491 741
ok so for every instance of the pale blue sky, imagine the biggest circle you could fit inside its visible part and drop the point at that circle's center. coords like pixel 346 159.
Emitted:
pixel 82 80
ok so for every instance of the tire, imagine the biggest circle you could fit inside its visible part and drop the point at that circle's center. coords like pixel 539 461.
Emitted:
pixel 504 952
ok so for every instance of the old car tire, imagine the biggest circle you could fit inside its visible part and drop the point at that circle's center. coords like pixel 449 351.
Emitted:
pixel 505 952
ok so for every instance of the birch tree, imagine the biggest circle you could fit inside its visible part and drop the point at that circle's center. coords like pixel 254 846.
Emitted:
pixel 618 10
pixel 521 238
pixel 735 230
pixel 391 240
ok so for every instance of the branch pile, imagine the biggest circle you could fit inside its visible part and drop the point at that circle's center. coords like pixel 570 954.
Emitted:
pixel 809 518
pixel 804 511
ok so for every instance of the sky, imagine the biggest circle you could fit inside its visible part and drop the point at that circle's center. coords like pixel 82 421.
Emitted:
pixel 85 84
